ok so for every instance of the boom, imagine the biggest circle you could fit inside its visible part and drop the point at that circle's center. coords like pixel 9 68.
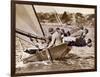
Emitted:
pixel 28 34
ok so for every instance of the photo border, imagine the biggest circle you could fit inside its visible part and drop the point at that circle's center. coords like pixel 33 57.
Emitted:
pixel 13 46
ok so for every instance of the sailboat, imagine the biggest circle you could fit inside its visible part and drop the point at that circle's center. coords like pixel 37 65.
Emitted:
pixel 29 29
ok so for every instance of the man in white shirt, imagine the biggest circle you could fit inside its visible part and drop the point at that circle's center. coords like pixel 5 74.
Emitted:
pixel 56 38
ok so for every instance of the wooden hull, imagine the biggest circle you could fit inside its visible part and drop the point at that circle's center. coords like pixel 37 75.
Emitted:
pixel 53 53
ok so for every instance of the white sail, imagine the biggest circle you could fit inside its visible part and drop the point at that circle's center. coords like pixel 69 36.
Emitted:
pixel 26 20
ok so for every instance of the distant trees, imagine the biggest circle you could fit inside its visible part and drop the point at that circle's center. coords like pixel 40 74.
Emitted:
pixel 77 19
pixel 52 18
pixel 66 17
pixel 46 17
pixel 91 19
pixel 80 19
pixel 43 16
pixel 91 16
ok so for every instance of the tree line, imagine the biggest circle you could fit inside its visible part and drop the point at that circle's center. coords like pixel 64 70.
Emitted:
pixel 66 18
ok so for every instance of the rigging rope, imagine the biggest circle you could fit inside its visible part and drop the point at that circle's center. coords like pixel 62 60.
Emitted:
pixel 21 55
pixel 21 45
pixel 24 40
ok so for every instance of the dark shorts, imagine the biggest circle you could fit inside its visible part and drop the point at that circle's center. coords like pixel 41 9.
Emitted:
pixel 32 51
pixel 80 42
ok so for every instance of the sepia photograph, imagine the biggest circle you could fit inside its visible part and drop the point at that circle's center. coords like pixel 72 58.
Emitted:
pixel 53 38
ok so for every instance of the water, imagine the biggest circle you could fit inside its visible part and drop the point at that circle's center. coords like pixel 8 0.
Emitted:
pixel 71 62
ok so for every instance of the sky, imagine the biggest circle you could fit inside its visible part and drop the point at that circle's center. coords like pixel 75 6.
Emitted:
pixel 44 9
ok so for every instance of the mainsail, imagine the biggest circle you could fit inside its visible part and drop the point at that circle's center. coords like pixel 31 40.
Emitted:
pixel 27 21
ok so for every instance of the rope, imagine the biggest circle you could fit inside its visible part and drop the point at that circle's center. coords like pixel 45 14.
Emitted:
pixel 21 58
pixel 23 39
pixel 57 18
pixel 21 44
